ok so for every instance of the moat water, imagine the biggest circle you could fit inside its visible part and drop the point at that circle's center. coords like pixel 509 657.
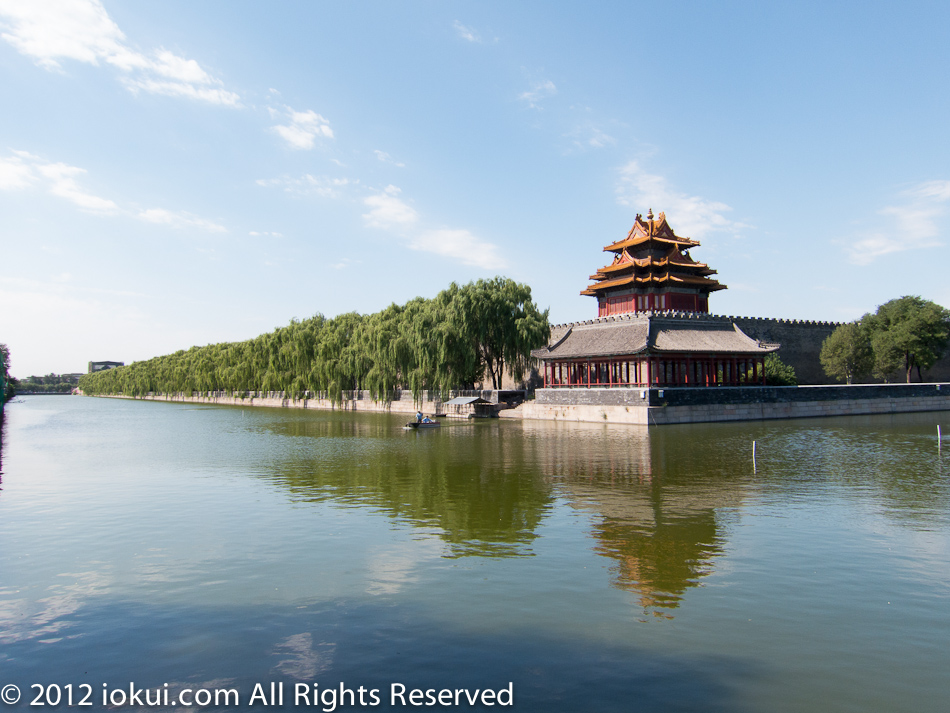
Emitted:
pixel 592 567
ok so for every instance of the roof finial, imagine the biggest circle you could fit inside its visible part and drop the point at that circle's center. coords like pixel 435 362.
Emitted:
pixel 650 214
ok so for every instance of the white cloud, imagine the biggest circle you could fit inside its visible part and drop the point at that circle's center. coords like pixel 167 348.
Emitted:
pixel 911 224
pixel 265 234
pixel 303 128
pixel 181 220
pixel 23 169
pixel 52 31
pixel 691 216
pixel 598 139
pixel 587 136
pixel 14 173
pixel 61 182
pixel 466 33
pixel 307 184
pixel 461 246
pixel 386 158
pixel 540 90
pixel 388 211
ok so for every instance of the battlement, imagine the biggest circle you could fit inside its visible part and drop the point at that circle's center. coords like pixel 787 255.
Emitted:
pixel 702 317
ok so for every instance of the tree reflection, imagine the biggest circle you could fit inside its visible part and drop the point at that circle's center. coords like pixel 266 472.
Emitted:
pixel 473 482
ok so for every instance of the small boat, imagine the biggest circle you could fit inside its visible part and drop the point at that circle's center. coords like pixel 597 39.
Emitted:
pixel 424 423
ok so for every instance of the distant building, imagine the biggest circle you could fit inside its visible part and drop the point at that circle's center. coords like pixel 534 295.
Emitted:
pixel 95 366
pixel 653 326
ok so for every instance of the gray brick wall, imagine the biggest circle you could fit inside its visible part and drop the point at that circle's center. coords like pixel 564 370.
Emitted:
pixel 719 395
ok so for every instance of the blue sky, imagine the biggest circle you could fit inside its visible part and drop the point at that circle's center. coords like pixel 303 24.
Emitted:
pixel 180 173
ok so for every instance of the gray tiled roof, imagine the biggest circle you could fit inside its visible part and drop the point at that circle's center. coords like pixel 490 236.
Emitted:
pixel 633 334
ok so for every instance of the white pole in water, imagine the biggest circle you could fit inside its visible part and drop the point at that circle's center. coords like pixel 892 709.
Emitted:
pixel 753 456
pixel 938 438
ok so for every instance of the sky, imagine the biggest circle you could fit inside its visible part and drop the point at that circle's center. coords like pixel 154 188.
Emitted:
pixel 176 173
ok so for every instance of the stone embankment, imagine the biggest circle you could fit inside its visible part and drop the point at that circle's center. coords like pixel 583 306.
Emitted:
pixel 654 407
pixel 352 401
pixel 645 407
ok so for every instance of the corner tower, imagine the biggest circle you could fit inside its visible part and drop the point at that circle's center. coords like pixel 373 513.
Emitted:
pixel 652 270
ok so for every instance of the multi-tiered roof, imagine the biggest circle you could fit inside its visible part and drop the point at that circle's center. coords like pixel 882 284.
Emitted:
pixel 653 261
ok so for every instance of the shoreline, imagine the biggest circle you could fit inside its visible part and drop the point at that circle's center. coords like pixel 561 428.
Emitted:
pixel 632 406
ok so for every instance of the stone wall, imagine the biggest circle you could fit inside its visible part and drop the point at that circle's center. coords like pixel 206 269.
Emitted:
pixel 801 347
pixel 801 342
pixel 698 405
pixel 358 401
pixel 708 395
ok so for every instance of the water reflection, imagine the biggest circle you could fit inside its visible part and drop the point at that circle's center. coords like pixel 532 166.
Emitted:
pixel 3 433
pixel 657 516
pixel 474 483
pixel 485 489
pixel 155 543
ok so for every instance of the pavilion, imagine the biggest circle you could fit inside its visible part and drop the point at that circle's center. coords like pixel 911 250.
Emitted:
pixel 653 326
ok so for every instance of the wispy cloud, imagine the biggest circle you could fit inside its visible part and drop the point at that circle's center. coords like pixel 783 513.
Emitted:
pixel 180 220
pixel 588 136
pixel 466 33
pixel 53 31
pixel 14 173
pixel 461 246
pixel 692 216
pixel 302 129
pixel 22 170
pixel 323 186
pixel 388 211
pixel 910 224
pixel 386 158
pixel 61 182
pixel 540 91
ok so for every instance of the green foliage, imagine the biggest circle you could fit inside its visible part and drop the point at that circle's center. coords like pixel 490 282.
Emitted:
pixel 439 344
pixel 7 382
pixel 846 354
pixel 49 384
pixel 907 333
pixel 778 373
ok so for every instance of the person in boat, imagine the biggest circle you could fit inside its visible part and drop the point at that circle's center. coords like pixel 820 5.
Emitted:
pixel 427 420
pixel 418 416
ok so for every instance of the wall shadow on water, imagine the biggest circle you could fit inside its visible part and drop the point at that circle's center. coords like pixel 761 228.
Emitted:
pixel 372 646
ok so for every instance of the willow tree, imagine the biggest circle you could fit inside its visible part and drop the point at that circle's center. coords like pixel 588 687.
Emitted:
pixel 6 381
pixel 503 324
pixel 442 343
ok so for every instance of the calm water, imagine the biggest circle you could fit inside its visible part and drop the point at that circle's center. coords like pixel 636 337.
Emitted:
pixel 596 568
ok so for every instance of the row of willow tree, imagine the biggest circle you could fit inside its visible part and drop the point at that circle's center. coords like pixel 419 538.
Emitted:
pixel 903 336
pixel 463 335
